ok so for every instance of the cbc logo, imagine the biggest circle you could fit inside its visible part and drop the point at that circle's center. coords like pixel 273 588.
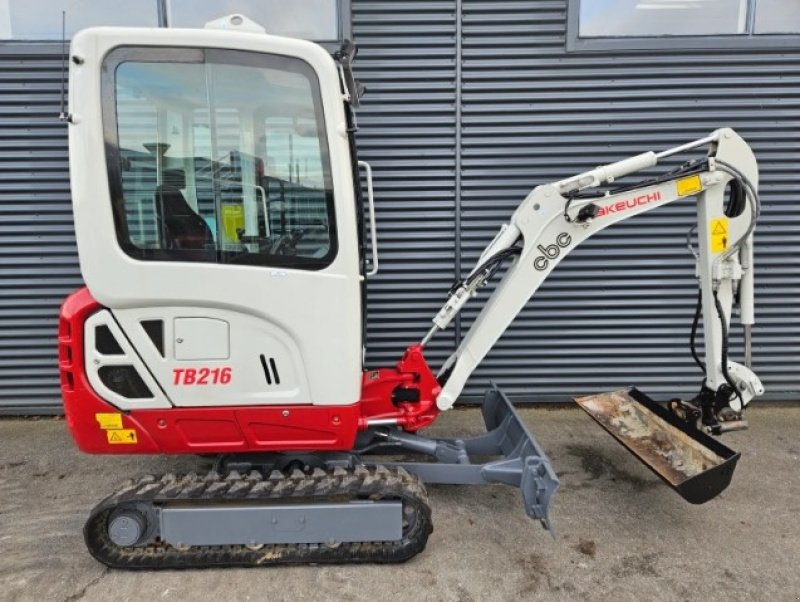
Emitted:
pixel 551 252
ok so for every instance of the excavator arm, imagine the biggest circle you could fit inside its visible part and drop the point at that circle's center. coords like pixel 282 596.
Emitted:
pixel 555 218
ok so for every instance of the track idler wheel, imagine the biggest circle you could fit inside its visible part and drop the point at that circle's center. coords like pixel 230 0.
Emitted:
pixel 131 525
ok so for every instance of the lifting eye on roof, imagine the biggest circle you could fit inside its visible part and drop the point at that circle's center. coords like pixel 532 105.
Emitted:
pixel 235 22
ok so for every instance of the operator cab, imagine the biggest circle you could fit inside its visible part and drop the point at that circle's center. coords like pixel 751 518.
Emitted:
pixel 213 195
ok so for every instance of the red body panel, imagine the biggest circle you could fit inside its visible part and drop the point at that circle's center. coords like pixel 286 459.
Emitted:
pixel 81 403
pixel 233 429
pixel 250 429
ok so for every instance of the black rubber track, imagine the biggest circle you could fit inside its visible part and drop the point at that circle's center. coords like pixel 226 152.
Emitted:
pixel 363 482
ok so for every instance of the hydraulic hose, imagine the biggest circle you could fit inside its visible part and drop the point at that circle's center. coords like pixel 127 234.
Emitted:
pixel 695 322
pixel 724 327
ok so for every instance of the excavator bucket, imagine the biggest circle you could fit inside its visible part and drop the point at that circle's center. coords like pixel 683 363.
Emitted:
pixel 694 464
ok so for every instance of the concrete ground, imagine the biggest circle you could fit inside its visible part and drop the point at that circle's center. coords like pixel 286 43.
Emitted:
pixel 622 534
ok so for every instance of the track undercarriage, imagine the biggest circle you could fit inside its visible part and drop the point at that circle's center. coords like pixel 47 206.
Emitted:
pixel 265 509
pixel 216 520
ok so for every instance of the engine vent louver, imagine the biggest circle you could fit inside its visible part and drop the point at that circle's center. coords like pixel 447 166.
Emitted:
pixel 270 370
pixel 275 371
pixel 105 342
pixel 155 330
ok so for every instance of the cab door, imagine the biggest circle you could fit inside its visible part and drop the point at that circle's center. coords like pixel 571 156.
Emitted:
pixel 214 206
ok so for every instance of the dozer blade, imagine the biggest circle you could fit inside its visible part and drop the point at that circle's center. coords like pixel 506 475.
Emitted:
pixel 517 459
pixel 694 464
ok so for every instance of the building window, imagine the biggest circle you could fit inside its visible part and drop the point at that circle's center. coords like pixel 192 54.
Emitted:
pixel 323 21
pixel 632 24
pixel 218 156
pixel 41 19
pixel 308 19
pixel 777 16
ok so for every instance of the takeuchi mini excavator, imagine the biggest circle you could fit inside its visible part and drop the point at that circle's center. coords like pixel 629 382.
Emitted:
pixel 225 243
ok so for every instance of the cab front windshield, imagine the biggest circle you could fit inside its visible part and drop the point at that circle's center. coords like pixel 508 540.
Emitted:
pixel 219 156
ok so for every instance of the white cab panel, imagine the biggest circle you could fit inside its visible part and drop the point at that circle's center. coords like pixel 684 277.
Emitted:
pixel 242 378
pixel 308 320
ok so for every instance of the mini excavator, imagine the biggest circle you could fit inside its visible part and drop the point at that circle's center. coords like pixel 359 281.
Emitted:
pixel 224 243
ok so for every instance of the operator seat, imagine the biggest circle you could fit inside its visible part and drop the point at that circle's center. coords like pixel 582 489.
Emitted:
pixel 179 224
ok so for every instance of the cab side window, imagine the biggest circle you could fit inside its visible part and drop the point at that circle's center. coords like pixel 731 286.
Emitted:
pixel 218 156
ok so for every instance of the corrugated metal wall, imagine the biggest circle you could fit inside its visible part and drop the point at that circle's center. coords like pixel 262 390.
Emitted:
pixel 39 261
pixel 615 312
pixel 407 132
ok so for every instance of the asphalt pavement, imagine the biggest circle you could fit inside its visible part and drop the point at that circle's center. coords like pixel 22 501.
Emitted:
pixel 621 534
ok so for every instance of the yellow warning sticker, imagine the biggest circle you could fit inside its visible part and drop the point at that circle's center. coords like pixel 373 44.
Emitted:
pixel 690 185
pixel 232 221
pixel 719 235
pixel 109 420
pixel 122 437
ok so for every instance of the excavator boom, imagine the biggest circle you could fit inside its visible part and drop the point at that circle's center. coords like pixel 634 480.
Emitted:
pixel 556 217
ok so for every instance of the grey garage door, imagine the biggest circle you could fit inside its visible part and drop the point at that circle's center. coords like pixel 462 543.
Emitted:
pixel 469 105
pixel 39 260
